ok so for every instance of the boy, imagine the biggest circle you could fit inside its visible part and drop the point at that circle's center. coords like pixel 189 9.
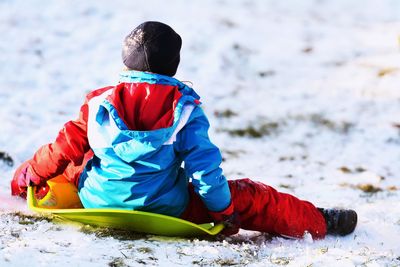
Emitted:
pixel 126 151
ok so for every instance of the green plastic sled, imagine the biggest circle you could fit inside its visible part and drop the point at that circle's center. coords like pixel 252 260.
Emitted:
pixel 130 220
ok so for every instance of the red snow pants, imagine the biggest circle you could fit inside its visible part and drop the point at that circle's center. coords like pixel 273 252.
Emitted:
pixel 260 207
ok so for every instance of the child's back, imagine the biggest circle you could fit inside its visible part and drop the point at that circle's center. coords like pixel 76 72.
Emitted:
pixel 140 132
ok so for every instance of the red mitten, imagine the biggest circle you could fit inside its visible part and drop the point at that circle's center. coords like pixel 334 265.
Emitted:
pixel 229 218
pixel 23 177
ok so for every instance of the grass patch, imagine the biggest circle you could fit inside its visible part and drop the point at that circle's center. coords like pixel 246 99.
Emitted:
pixel 102 232
pixel 345 169
pixel 392 188
pixel 260 129
pixel 26 222
pixel 281 260
pixel 251 131
pixel 225 262
pixel 117 262
pixel 28 219
pixel 232 154
pixel 369 188
pixel 227 113
pixel 320 121
pixel 386 71
pixel 145 250
pixel 366 188
pixel 221 262
pixel 340 127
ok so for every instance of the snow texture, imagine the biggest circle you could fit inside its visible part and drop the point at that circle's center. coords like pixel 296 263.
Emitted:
pixel 302 95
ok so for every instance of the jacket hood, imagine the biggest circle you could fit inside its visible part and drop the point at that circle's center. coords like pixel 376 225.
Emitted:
pixel 136 117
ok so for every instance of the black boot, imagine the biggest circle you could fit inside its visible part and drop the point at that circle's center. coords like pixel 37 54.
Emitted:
pixel 339 221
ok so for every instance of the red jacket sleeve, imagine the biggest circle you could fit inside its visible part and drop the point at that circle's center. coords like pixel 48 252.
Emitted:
pixel 69 147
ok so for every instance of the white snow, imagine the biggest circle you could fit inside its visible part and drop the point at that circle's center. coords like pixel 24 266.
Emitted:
pixel 319 79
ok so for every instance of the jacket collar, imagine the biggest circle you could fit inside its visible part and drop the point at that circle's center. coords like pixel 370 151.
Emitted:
pixel 133 76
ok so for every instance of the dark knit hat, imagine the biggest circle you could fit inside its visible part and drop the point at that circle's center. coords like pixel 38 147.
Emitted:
pixel 154 47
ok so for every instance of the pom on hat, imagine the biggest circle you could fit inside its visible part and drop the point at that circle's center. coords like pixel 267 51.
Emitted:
pixel 154 47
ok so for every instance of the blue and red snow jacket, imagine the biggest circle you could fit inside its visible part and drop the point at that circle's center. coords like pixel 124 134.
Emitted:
pixel 132 139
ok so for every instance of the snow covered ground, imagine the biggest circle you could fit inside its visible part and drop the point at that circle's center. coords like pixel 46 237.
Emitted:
pixel 302 95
